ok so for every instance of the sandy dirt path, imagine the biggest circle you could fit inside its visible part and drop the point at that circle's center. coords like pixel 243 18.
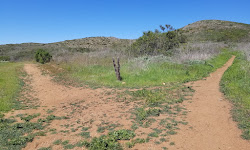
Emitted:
pixel 210 123
pixel 85 107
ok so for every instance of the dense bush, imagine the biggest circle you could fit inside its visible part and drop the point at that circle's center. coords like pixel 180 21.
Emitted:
pixel 4 58
pixel 158 42
pixel 42 56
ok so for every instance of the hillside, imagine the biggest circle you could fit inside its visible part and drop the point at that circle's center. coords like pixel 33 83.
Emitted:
pixel 25 51
pixel 217 31
pixel 201 31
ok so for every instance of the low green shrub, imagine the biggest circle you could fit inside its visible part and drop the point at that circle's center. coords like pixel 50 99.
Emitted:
pixel 133 142
pixel 15 135
pixel 4 58
pixel 142 114
pixel 110 141
pixel 42 56
pixel 122 134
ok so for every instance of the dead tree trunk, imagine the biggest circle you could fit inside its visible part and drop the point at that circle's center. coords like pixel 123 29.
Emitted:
pixel 117 69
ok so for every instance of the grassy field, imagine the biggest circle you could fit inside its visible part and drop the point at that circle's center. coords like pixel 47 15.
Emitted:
pixel 9 84
pixel 236 86
pixel 147 71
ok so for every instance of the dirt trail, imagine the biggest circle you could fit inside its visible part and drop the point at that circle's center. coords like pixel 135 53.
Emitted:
pixel 210 123
pixel 51 94
pixel 85 107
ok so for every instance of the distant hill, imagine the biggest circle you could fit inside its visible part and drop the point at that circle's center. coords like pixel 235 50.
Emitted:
pixel 205 30
pixel 95 42
pixel 25 51
pixel 217 31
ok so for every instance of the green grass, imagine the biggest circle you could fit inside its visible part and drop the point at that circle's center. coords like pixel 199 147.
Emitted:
pixel 110 141
pixel 45 148
pixel 101 129
pixel 133 142
pixel 236 86
pixel 57 142
pixel 15 136
pixel 158 96
pixel 159 101
pixel 154 74
pixel 69 146
pixel 142 114
pixel 29 117
pixel 10 84
pixel 65 142
pixel 85 134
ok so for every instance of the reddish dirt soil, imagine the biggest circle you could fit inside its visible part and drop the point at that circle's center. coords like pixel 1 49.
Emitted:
pixel 210 123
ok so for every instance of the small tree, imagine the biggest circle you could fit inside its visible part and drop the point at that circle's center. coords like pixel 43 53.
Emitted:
pixel 154 43
pixel 42 56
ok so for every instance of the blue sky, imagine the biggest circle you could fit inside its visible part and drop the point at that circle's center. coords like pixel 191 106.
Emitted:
pixel 48 21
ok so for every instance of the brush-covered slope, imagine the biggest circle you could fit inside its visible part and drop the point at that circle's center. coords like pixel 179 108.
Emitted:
pixel 96 42
pixel 205 30
pixel 217 31
pixel 26 51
